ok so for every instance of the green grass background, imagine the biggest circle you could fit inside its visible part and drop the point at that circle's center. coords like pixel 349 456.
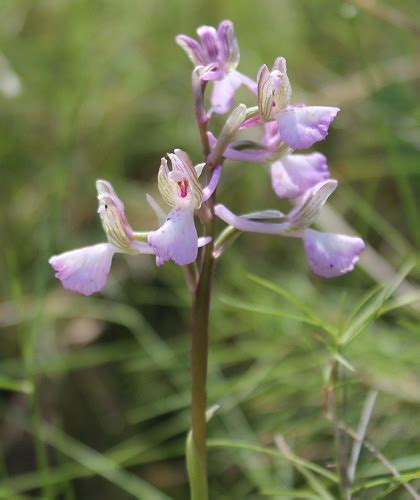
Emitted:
pixel 96 390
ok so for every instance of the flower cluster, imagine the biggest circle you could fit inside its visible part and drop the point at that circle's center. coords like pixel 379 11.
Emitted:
pixel 85 270
pixel 302 178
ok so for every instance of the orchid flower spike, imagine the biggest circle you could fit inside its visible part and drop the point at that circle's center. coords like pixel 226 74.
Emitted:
pixel 217 57
pixel 180 188
pixel 329 255
pixel 85 270
pixel 299 126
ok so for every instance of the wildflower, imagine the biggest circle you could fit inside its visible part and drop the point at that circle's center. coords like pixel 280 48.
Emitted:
pixel 217 56
pixel 299 126
pixel 329 254
pixel 180 188
pixel 85 270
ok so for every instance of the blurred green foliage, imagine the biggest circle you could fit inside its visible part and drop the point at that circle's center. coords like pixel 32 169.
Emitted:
pixel 96 390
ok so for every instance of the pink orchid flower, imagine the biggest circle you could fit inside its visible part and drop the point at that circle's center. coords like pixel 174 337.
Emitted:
pixel 85 270
pixel 329 255
pixel 299 126
pixel 180 188
pixel 217 55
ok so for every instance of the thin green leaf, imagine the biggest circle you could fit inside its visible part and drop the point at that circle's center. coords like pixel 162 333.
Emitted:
pixel 226 443
pixel 369 313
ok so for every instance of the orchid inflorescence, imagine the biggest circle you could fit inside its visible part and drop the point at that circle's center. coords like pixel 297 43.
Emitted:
pixel 286 127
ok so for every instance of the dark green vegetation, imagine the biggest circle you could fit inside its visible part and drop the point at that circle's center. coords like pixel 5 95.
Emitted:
pixel 96 390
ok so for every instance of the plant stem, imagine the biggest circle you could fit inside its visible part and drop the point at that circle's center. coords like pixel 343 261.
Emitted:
pixel 197 440
pixel 199 357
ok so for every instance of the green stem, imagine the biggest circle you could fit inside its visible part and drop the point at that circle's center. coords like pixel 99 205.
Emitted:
pixel 197 439
pixel 199 357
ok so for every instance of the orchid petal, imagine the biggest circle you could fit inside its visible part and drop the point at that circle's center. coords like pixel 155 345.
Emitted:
pixel 249 155
pixel 222 98
pixel 114 221
pixel 210 43
pixel 253 121
pixel 212 71
pixel 301 127
pixel 265 214
pixel 294 174
pixel 84 270
pixel 199 168
pixel 244 224
pixel 203 241
pixel 192 48
pixel 331 255
pixel 176 239
pixel 307 209
pixel 143 247
pixel 255 154
pixel 180 186
pixel 228 44
pixel 212 185
pixel 274 90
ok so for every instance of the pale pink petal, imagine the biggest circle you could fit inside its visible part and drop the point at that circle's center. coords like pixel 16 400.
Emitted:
pixel 143 247
pixel 307 209
pixel 203 241
pixel 271 137
pixel 228 44
pixel 265 214
pixel 223 95
pixel 274 90
pixel 329 254
pixel 249 155
pixel 176 239
pixel 114 220
pixel 84 270
pixel 212 185
pixel 252 122
pixel 254 152
pixel 294 174
pixel 210 43
pixel 243 223
pixel 301 127
pixel 212 71
pixel 193 49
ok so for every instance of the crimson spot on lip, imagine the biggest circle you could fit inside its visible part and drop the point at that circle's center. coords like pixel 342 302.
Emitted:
pixel 183 186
